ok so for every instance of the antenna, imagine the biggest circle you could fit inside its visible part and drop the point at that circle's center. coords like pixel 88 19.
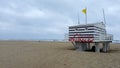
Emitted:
pixel 104 19
pixel 78 19
pixel 104 16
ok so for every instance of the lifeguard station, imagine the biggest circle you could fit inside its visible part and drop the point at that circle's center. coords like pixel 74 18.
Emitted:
pixel 83 35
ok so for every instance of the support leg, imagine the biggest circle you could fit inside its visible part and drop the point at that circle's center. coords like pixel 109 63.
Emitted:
pixel 84 46
pixel 97 48
pixel 107 46
pixel 88 46
pixel 79 46
pixel 104 47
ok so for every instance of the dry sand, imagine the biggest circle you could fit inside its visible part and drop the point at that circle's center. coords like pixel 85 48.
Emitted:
pixel 26 54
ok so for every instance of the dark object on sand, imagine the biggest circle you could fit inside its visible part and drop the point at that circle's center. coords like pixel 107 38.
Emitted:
pixel 93 48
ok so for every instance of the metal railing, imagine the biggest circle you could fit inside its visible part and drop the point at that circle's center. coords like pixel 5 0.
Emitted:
pixel 108 37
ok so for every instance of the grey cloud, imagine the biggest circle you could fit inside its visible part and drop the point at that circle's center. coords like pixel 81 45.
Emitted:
pixel 44 19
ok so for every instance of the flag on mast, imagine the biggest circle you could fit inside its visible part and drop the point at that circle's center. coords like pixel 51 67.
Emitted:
pixel 84 10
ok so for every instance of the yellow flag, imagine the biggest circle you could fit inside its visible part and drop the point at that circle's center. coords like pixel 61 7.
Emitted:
pixel 84 10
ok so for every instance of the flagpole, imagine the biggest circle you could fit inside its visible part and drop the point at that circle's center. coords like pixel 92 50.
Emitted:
pixel 86 16
pixel 85 12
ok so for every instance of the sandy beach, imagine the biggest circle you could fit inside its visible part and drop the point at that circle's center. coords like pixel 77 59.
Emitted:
pixel 34 54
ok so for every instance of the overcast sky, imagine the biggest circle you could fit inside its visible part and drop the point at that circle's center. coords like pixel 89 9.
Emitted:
pixel 49 19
